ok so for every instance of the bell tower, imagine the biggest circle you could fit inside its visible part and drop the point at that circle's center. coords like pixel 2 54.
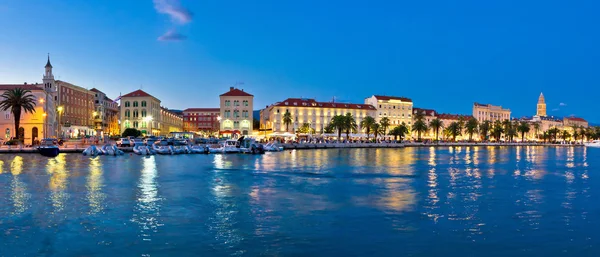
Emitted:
pixel 48 79
pixel 541 106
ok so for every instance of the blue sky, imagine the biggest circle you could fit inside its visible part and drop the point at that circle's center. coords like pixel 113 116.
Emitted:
pixel 443 54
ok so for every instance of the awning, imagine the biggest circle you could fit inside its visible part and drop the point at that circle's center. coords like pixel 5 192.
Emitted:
pixel 229 132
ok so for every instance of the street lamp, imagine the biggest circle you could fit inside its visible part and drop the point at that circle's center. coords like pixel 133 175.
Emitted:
pixel 149 120
pixel 59 127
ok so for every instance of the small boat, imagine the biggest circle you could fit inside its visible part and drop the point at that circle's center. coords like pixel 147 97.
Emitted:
pixel 111 150
pixel 199 149
pixel 595 143
pixel 217 148
pixel 178 149
pixel 162 149
pixel 49 147
pixel 231 146
pixel 272 147
pixel 141 150
pixel 92 150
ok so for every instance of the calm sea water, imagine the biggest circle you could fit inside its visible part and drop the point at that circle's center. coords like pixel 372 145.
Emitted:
pixel 469 201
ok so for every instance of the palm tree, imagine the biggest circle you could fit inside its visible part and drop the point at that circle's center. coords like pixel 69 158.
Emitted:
pixel 287 120
pixel 497 130
pixel 575 132
pixel 565 135
pixel 436 124
pixel 507 127
pixel 471 127
pixel 385 124
pixel 582 132
pixel 419 127
pixel 536 128
pixel 349 124
pixel 376 127
pixel 545 136
pixel 523 128
pixel 367 123
pixel 399 131
pixel 305 128
pixel 484 129
pixel 338 122
pixel 18 100
pixel 553 133
pixel 454 130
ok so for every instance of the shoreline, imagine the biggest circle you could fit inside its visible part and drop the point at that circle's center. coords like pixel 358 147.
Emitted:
pixel 77 149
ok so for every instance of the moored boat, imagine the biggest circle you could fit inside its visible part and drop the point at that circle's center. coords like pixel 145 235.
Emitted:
pixel 49 147
pixel 595 143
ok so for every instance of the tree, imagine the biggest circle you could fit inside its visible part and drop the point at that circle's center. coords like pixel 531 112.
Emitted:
pixel 471 127
pixel 497 130
pixel 385 124
pixel 349 124
pixel 305 129
pixel 131 132
pixel 582 132
pixel 376 127
pixel 507 127
pixel 18 100
pixel 454 130
pixel 366 124
pixel 287 120
pixel 399 131
pixel 329 129
pixel 553 133
pixel 545 136
pixel 436 124
pixel 565 135
pixel 419 126
pixel 484 129
pixel 536 128
pixel 523 128
pixel 338 122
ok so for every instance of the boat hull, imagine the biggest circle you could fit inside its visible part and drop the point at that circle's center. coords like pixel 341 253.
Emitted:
pixel 49 151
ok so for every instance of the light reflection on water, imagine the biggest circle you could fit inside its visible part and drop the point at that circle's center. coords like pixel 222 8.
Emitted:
pixel 314 202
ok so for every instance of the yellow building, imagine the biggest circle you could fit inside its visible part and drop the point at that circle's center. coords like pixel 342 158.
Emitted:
pixel 316 114
pixel 575 121
pixel 236 109
pixel 483 112
pixel 143 112
pixel 396 109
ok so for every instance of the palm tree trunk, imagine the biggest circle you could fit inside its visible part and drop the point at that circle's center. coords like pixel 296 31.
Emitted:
pixel 522 136
pixel 17 114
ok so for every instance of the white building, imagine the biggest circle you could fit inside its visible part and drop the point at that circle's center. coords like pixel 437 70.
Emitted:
pixel 396 109
pixel 483 112
pixel 236 109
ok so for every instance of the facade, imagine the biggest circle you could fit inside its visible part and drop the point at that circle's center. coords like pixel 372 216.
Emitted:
pixel 170 121
pixel 541 106
pixel 41 123
pixel 548 122
pixel 396 109
pixel 106 114
pixel 483 112
pixel 201 119
pixel 428 116
pixel 76 108
pixel 236 112
pixel 575 121
pixel 143 112
pixel 317 114
pixel 33 126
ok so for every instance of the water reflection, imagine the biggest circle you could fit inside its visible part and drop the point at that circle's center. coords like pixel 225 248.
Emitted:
pixel 19 195
pixel 148 201
pixel 95 195
pixel 57 169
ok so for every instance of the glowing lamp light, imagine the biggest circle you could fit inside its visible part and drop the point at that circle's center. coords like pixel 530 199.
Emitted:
pixel 59 109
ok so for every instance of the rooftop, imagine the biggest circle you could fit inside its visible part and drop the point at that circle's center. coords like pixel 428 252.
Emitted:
pixel 575 119
pixel 447 116
pixel 235 92
pixel 307 102
pixel 23 86
pixel 202 110
pixel 426 112
pixel 138 93
pixel 383 97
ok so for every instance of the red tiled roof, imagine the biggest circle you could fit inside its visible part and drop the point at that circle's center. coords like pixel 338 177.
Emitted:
pixel 304 102
pixel 138 93
pixel 23 86
pixel 202 110
pixel 575 119
pixel 235 92
pixel 383 97
pixel 426 112
pixel 446 116
pixel 96 90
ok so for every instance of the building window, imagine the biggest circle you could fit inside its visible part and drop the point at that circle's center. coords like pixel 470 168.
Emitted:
pixel 135 104
pixel 127 113
pixel 135 124
pixel 143 103
pixel 127 104
pixel 227 103
pixel 135 114
pixel 245 102
pixel 143 111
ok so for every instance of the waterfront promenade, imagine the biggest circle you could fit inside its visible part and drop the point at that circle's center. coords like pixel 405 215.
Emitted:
pixel 79 147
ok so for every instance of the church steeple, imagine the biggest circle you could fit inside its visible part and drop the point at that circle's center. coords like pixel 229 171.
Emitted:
pixel 541 106
pixel 48 65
